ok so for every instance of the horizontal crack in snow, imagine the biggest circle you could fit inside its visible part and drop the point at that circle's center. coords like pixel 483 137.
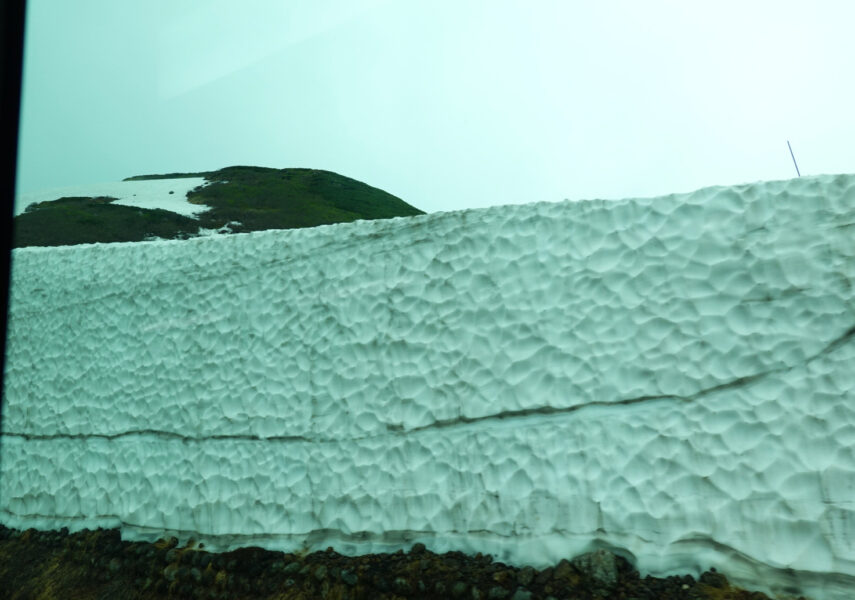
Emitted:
pixel 399 429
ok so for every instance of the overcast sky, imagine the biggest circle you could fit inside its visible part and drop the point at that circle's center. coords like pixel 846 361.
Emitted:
pixel 447 104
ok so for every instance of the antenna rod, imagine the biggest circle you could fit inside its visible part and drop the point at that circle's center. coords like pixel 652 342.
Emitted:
pixel 794 158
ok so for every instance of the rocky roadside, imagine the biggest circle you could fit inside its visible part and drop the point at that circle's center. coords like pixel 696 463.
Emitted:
pixel 98 564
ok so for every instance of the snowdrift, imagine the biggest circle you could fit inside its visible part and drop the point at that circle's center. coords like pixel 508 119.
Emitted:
pixel 670 378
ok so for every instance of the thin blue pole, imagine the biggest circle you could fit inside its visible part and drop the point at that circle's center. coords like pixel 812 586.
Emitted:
pixel 794 158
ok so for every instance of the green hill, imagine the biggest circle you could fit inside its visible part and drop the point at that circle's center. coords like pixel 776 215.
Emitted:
pixel 245 198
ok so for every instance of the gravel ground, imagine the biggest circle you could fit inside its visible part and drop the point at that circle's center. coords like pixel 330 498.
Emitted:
pixel 98 564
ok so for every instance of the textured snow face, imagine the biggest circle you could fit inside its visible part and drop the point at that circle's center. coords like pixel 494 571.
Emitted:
pixel 672 377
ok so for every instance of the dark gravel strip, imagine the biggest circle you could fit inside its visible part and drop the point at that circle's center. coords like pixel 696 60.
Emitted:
pixel 98 564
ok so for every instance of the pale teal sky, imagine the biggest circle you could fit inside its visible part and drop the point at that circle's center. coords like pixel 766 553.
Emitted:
pixel 446 103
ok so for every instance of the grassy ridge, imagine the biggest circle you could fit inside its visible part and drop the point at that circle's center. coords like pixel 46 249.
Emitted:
pixel 261 198
pixel 169 176
pixel 256 197
pixel 70 221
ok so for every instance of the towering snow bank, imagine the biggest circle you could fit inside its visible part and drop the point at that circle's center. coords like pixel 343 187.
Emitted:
pixel 671 376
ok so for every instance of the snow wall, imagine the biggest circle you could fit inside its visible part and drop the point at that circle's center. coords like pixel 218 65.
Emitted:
pixel 671 378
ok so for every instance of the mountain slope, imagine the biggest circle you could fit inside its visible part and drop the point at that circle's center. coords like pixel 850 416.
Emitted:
pixel 241 199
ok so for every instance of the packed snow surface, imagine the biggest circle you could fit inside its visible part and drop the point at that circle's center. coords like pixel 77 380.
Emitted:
pixel 670 377
pixel 167 194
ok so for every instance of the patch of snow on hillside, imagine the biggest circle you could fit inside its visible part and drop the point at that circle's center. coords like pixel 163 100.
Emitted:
pixel 166 194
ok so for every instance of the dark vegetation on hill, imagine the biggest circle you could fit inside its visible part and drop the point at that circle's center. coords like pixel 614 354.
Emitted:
pixel 261 198
pixel 177 175
pixel 244 198
pixel 70 221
